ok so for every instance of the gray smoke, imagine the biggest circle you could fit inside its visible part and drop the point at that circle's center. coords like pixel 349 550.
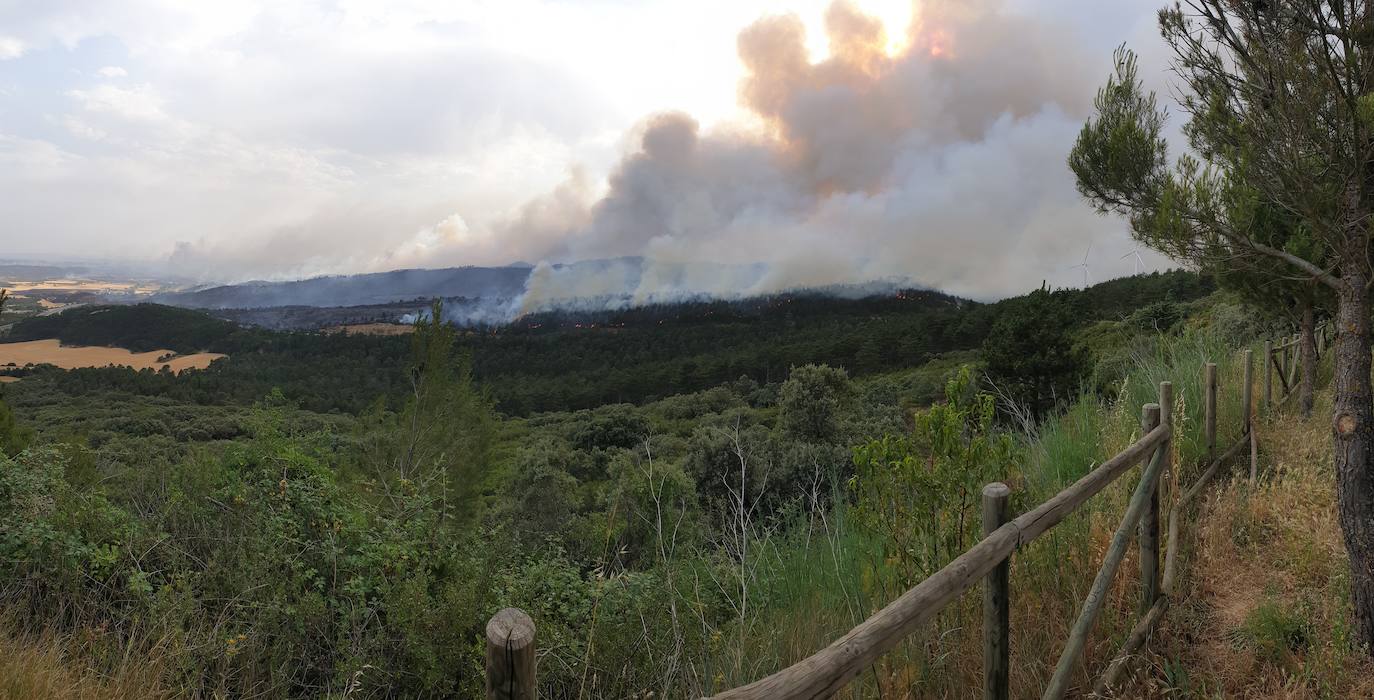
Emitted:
pixel 941 166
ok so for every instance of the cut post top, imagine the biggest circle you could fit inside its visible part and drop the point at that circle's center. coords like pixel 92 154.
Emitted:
pixel 511 626
pixel 996 489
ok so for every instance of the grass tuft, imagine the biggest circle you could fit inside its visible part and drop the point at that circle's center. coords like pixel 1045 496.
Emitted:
pixel 48 666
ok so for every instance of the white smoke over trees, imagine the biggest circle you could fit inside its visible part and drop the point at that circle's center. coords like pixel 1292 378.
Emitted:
pixel 941 165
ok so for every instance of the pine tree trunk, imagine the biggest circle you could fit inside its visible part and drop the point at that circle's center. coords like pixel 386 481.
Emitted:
pixel 1307 350
pixel 1353 442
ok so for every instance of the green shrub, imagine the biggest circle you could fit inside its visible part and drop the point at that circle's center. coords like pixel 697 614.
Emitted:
pixel 812 401
pixel 919 494
pixel 1276 630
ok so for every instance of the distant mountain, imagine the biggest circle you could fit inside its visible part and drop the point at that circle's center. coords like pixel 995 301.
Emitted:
pixel 28 272
pixel 357 290
pixel 498 295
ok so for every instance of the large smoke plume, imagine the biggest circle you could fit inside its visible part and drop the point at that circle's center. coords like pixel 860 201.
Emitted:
pixel 941 165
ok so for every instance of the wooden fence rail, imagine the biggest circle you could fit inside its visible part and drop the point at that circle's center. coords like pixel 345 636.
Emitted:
pixel 510 643
pixel 830 669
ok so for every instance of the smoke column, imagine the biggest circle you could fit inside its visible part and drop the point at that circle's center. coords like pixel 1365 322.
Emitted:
pixel 942 165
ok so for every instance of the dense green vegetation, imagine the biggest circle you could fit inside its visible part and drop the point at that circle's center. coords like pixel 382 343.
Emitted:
pixel 281 544
pixel 554 362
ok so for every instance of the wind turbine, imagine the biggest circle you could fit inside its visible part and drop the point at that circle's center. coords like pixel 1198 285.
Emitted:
pixel 1139 261
pixel 1087 275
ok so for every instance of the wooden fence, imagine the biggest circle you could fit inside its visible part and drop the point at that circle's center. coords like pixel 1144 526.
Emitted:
pixel 511 633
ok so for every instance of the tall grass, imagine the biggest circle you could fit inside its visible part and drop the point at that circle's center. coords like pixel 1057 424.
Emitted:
pixel 812 592
pixel 50 666
pixel 1265 599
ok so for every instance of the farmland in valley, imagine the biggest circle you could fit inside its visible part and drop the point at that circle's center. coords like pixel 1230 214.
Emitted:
pixel 52 352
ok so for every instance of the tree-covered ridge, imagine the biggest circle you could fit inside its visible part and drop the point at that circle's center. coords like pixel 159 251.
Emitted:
pixel 139 328
pixel 551 362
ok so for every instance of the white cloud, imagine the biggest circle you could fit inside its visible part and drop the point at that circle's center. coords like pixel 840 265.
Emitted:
pixel 81 129
pixel 39 160
pixel 10 48
pixel 112 72
pixel 139 103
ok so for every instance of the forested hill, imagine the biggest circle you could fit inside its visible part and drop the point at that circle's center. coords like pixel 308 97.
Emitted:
pixel 360 289
pixel 558 361
pixel 140 328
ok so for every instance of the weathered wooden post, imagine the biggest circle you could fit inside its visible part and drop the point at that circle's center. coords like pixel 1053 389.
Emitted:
pixel 510 656
pixel 1166 416
pixel 1148 535
pixel 1267 363
pixel 1294 365
pixel 996 603
pixel 1209 426
pixel 1248 395
pixel 1145 492
pixel 1282 350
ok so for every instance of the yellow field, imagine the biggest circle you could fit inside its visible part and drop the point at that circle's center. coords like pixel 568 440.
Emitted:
pixel 52 352
pixel 371 329
pixel 75 285
pixel 6 379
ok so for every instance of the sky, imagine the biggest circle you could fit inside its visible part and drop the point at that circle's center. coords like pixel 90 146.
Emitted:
pixel 827 142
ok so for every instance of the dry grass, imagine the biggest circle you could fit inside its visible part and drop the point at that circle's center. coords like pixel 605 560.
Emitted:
pixel 51 351
pixel 371 329
pixel 1265 608
pixel 79 285
pixel 50 667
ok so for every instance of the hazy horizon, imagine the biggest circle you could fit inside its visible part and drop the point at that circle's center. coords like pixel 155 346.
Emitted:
pixel 833 143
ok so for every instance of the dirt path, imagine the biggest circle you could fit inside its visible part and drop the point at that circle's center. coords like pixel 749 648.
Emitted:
pixel 1264 605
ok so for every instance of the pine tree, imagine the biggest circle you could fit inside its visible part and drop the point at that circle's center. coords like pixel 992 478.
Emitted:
pixel 1280 103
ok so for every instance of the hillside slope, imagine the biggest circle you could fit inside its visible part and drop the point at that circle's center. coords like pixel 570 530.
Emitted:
pixel 351 290
pixel 1264 598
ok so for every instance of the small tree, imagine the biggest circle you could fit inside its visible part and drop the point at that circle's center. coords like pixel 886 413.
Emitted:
pixel 541 496
pixel 812 401
pixel 919 493
pixel 440 442
pixel 1029 353
pixel 13 436
pixel 1280 100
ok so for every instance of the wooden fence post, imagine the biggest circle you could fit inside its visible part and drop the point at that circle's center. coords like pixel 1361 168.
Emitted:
pixel 1268 374
pixel 1283 360
pixel 996 603
pixel 1294 375
pixel 1148 536
pixel 1166 416
pixel 1248 392
pixel 510 656
pixel 1209 386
